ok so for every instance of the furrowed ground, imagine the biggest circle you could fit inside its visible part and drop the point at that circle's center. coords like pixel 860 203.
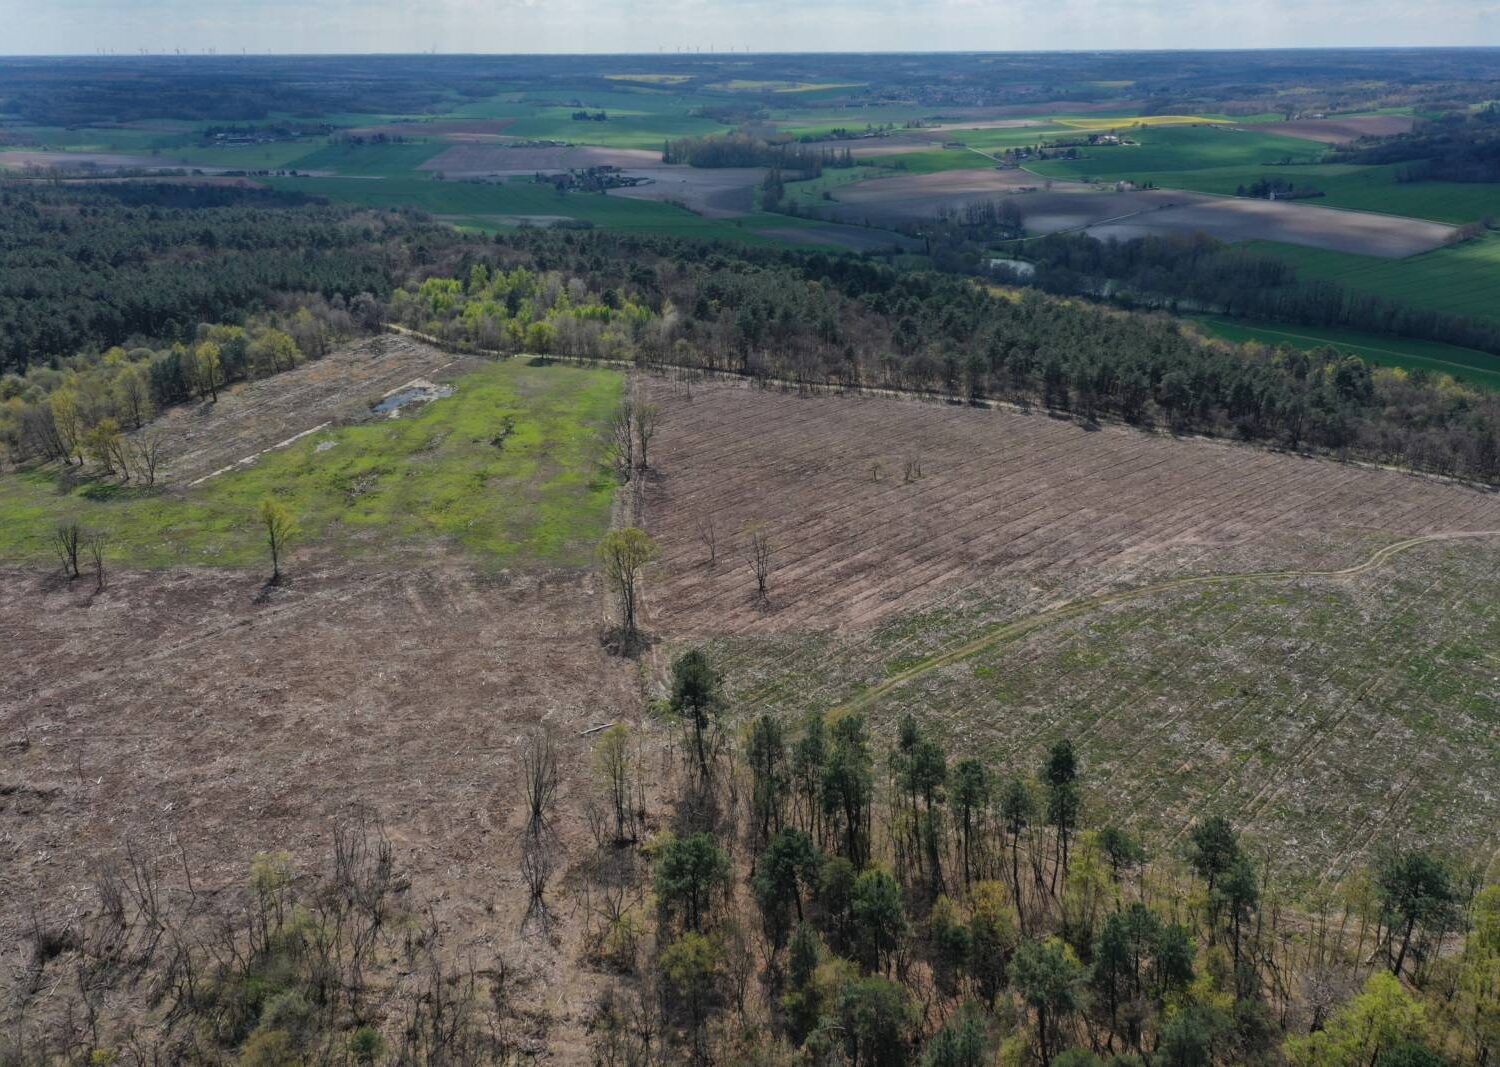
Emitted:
pixel 1035 580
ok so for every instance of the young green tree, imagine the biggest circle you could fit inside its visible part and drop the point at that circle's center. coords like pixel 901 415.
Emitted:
pixel 1050 981
pixel 971 796
pixel 962 1042
pixel 769 777
pixel 1416 893
pixel 690 873
pixel 876 1017
pixel 879 918
pixel 625 553
pixel 1382 1016
pixel 280 527
pixel 613 763
pixel 698 699
pixel 783 872
pixel 848 787
pixel 1017 809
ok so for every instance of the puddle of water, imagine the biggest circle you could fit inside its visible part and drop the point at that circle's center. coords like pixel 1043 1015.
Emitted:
pixel 414 393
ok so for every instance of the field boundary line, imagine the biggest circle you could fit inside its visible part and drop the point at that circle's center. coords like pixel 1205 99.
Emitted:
pixel 1070 609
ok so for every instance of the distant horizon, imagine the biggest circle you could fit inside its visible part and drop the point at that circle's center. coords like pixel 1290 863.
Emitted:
pixel 1183 50
pixel 81 28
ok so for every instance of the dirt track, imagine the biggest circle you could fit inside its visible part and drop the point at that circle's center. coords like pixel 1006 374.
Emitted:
pixel 1023 626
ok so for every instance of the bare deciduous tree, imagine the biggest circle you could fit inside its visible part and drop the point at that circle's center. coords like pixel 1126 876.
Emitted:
pixel 67 539
pixel 98 545
pixel 540 779
pixel 913 467
pixel 145 448
pixel 620 441
pixel 758 552
pixel 709 536
pixel 647 416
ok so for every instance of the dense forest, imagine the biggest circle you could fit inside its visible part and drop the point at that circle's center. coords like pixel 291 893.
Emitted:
pixel 87 268
pixel 753 890
pixel 813 318
pixel 748 150
pixel 1456 147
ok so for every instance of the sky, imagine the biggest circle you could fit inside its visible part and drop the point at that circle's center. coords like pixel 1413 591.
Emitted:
pixel 50 27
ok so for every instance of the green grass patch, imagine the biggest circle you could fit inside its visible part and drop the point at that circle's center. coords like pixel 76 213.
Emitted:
pixel 1466 364
pixel 508 467
pixel 383 160
pixel 1460 279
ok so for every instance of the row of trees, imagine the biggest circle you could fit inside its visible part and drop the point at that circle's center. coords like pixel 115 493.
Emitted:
pixel 814 318
pixel 743 149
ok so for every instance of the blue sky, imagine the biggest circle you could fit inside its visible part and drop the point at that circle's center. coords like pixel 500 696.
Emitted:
pixel 87 26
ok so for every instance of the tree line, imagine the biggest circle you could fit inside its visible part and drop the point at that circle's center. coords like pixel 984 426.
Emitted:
pixel 814 318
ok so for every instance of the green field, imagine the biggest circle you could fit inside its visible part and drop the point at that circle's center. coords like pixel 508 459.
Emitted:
pixel 1180 151
pixel 1462 279
pixel 1466 364
pixel 382 160
pixel 437 474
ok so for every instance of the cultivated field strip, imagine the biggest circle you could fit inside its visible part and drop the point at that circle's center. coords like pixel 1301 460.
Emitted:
pixel 999 495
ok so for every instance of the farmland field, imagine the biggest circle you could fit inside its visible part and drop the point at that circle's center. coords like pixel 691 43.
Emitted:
pixel 1135 213
pixel 1463 279
pixel 1263 695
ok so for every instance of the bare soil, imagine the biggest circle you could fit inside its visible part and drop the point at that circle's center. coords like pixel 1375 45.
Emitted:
pixel 714 192
pixel 1001 495
pixel 206 710
pixel 1341 130
pixel 1360 232
pixel 1136 213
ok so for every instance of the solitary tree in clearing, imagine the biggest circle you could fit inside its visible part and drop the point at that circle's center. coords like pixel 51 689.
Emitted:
pixel 67 539
pixel 280 528
pixel 98 546
pixel 758 555
pixel 624 553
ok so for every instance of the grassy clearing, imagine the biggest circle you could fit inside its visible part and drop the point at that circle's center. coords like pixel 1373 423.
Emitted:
pixel 1323 716
pixel 1467 364
pixel 508 467
pixel 382 160
pixel 1461 279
